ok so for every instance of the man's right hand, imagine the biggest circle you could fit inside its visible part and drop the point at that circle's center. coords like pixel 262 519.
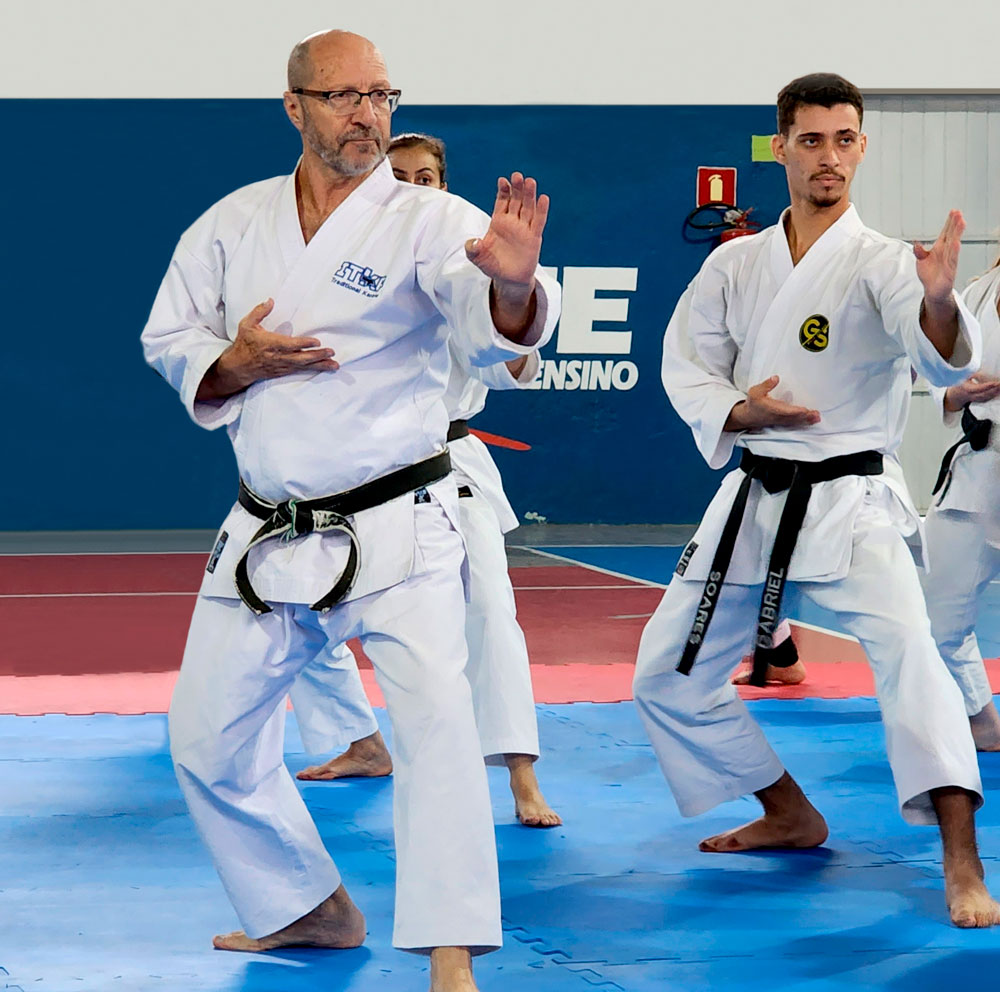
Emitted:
pixel 760 410
pixel 976 389
pixel 260 354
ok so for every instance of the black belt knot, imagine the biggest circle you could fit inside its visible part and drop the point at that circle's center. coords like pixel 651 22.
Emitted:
pixel 976 433
pixel 458 429
pixel 292 518
pixel 776 475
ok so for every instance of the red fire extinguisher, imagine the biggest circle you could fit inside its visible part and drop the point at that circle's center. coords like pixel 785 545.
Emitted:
pixel 722 219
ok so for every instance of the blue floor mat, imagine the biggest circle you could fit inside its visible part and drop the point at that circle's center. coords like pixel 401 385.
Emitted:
pixel 105 885
pixel 657 563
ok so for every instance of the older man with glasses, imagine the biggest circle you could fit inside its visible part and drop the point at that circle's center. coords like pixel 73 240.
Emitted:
pixel 331 390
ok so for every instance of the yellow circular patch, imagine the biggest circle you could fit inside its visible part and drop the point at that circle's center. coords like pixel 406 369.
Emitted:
pixel 814 334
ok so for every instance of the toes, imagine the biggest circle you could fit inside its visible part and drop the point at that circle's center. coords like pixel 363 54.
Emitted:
pixel 235 941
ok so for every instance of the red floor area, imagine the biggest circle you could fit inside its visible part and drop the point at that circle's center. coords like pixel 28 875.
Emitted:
pixel 105 633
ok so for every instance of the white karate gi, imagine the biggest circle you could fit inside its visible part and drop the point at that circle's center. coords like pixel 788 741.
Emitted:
pixel 739 323
pixel 381 282
pixel 331 708
pixel 963 524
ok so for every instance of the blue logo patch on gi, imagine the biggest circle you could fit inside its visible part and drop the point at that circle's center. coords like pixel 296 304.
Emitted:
pixel 217 552
pixel 358 279
pixel 686 558
pixel 814 334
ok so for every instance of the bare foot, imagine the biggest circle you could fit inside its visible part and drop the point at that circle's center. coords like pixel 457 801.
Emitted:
pixel 367 758
pixel 451 970
pixel 969 902
pixel 986 728
pixel 530 806
pixel 789 820
pixel 792 675
pixel 335 922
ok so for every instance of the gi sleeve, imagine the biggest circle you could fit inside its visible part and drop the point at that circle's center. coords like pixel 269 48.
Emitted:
pixel 461 292
pixel 899 295
pixel 500 377
pixel 697 367
pixel 186 334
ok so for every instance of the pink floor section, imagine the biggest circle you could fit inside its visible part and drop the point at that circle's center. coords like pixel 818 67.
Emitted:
pixel 105 634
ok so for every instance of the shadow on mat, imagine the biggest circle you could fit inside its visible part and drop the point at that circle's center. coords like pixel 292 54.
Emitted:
pixel 300 969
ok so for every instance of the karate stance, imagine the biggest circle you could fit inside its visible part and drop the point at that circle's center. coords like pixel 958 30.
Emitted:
pixel 796 345
pixel 962 529
pixel 331 391
pixel 331 708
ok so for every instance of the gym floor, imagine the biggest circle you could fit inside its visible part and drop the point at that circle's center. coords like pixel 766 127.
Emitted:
pixel 105 885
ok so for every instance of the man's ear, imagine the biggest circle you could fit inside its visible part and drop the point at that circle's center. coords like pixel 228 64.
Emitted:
pixel 293 107
pixel 778 147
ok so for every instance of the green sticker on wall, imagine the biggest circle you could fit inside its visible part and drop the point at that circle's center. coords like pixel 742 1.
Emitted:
pixel 760 148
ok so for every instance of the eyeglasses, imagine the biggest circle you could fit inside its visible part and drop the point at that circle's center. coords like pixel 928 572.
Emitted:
pixel 344 102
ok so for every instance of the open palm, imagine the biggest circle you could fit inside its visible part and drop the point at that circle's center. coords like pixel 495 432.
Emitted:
pixel 509 250
pixel 938 267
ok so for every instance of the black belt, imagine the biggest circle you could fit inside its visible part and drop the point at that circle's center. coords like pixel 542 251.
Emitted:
pixel 457 429
pixel 977 433
pixel 776 475
pixel 292 518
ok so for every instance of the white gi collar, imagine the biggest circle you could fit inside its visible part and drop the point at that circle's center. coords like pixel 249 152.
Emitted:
pixel 847 225
pixel 375 189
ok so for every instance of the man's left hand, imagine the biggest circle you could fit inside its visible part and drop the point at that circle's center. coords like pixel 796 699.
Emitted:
pixel 938 267
pixel 509 250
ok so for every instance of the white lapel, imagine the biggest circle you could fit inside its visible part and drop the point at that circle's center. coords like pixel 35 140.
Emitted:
pixel 307 263
pixel 794 283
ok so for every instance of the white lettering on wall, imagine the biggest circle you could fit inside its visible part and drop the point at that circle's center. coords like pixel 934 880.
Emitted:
pixel 581 307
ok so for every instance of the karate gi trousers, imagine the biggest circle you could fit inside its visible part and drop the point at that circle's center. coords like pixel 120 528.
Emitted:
pixel 227 748
pixel 330 705
pixel 711 750
pixel 962 564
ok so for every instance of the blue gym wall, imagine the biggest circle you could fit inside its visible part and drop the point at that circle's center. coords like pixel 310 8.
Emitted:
pixel 99 191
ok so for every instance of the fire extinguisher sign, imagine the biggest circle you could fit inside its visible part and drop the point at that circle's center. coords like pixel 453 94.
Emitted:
pixel 715 185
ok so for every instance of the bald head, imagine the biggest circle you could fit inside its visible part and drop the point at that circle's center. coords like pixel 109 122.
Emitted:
pixel 317 56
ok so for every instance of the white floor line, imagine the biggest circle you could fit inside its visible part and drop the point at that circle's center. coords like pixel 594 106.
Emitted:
pixel 87 595
pixel 194 592
pixel 597 568
pixel 96 554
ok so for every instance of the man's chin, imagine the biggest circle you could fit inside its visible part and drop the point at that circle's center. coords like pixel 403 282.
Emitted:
pixel 825 202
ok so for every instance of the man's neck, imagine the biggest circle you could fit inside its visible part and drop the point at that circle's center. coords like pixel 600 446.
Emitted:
pixel 319 190
pixel 806 223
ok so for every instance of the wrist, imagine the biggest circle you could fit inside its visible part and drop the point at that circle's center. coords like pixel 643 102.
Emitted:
pixel 951 401
pixel 736 420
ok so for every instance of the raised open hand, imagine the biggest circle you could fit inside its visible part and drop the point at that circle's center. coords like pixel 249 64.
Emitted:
pixel 938 267
pixel 509 250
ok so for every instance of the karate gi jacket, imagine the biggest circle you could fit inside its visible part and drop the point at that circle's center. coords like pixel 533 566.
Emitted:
pixel 384 282
pixel 841 329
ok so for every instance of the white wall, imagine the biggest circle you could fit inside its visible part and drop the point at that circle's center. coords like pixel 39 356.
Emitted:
pixel 474 51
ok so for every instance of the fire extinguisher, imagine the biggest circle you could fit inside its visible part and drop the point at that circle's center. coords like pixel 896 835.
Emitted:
pixel 722 220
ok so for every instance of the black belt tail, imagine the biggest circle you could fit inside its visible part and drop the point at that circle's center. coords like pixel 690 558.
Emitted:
pixel 974 431
pixel 792 516
pixel 716 576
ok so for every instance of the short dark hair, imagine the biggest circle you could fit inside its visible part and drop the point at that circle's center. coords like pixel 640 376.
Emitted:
pixel 818 89
pixel 415 139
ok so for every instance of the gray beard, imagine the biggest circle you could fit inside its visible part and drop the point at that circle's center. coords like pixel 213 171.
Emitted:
pixel 333 155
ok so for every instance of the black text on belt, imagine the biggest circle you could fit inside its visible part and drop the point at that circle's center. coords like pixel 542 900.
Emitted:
pixel 776 475
pixel 294 517
pixel 977 433
pixel 457 429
